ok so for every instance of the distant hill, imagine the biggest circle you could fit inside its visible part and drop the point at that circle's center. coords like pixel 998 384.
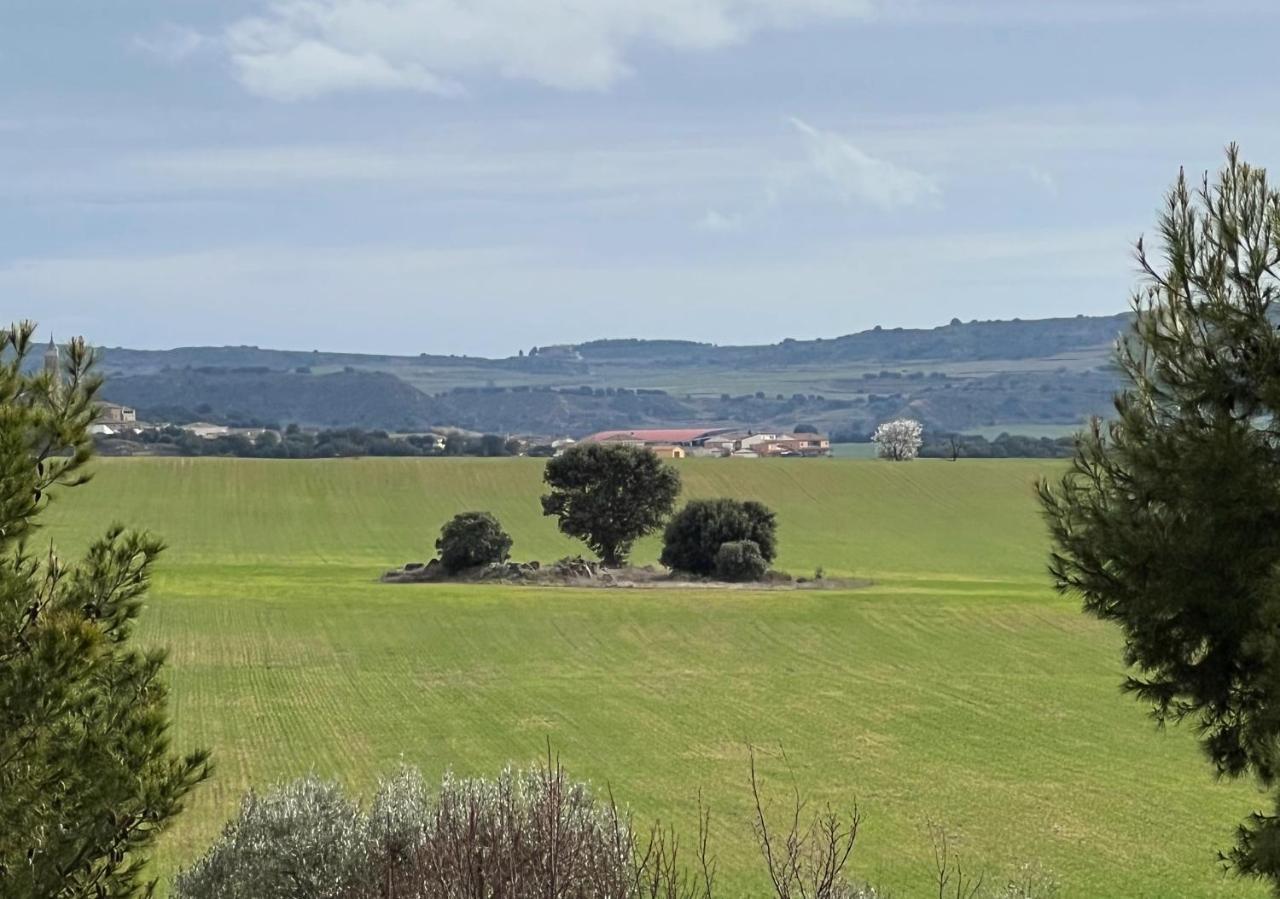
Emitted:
pixel 956 376
pixel 245 395
pixel 975 340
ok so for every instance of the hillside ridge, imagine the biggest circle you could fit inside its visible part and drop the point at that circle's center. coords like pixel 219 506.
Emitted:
pixel 958 376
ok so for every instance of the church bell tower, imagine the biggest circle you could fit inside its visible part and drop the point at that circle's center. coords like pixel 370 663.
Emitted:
pixel 52 361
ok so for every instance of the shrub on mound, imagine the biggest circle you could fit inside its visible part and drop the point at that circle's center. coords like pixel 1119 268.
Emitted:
pixel 696 533
pixel 740 560
pixel 471 539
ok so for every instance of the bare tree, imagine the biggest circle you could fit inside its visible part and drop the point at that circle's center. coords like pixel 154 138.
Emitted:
pixel 660 872
pixel 806 860
pixel 952 880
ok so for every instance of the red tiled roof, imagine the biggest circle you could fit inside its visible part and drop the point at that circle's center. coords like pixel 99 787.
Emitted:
pixel 661 435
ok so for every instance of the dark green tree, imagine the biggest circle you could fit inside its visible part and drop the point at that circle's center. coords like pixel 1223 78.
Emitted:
pixel 1168 522
pixel 492 445
pixel 470 539
pixel 609 496
pixel 457 445
pixel 696 533
pixel 87 779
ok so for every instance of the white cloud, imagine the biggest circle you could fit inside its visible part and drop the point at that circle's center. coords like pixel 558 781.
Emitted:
pixel 307 69
pixel 172 43
pixel 1066 12
pixel 718 222
pixel 304 48
pixel 857 175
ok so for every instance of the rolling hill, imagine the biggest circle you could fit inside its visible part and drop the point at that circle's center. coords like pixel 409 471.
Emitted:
pixel 955 377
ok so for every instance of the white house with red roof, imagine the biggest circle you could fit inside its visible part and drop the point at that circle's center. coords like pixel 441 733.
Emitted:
pixel 717 442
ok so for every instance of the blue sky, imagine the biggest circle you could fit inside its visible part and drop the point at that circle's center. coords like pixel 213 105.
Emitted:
pixel 477 176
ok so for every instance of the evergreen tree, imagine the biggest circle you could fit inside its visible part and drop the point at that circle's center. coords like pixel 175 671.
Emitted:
pixel 87 780
pixel 1168 523
pixel 609 495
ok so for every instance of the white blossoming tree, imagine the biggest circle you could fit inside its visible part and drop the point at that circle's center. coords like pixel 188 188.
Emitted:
pixel 898 440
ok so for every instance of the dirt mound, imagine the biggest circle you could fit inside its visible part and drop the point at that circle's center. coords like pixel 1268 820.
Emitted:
pixel 575 571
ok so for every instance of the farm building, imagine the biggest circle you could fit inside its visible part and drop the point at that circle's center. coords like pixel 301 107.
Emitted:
pixel 115 413
pixel 718 442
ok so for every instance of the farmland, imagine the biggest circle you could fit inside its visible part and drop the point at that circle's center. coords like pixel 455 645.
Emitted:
pixel 957 688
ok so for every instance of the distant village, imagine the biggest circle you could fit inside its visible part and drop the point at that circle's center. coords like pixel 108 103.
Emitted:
pixel 117 428
pixel 677 443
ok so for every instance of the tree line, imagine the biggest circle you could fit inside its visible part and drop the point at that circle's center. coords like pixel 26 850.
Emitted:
pixel 294 443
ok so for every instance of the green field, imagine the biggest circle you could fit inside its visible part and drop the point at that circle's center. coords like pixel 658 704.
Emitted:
pixel 957 688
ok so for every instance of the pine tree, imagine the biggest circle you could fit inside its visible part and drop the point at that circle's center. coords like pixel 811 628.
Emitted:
pixel 87 779
pixel 1168 523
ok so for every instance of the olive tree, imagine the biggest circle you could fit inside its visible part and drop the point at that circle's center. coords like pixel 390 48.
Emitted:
pixel 1168 521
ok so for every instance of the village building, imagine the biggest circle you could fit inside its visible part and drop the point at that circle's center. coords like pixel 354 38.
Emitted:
pixel 206 430
pixel 566 351
pixel 721 442
pixel 114 413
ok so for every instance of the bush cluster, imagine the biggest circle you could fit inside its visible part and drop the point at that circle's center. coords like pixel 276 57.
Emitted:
pixel 740 560
pixel 522 835
pixel 694 537
pixel 470 539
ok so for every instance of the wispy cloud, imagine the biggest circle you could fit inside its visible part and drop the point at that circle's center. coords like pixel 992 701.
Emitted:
pixel 172 43
pixel 715 221
pixel 1060 12
pixel 304 48
pixel 301 70
pixel 857 175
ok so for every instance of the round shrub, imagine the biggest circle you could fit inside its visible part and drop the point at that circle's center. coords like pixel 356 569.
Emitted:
pixel 303 839
pixel 696 533
pixel 471 539
pixel 740 560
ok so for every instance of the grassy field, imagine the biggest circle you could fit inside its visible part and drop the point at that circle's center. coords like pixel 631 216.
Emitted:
pixel 957 688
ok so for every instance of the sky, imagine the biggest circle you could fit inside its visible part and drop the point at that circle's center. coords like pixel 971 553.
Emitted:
pixel 482 176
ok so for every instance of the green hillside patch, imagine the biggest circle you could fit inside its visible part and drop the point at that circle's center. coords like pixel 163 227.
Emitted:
pixel 957 687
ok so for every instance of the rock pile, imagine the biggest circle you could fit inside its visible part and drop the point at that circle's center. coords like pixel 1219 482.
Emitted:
pixel 580 569
pixel 571 569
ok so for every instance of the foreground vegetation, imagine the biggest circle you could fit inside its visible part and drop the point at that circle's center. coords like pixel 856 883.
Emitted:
pixel 87 778
pixel 957 688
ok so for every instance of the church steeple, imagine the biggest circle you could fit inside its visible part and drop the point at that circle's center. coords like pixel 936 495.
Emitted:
pixel 52 360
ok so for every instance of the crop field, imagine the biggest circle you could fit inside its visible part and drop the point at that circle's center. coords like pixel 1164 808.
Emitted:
pixel 956 689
